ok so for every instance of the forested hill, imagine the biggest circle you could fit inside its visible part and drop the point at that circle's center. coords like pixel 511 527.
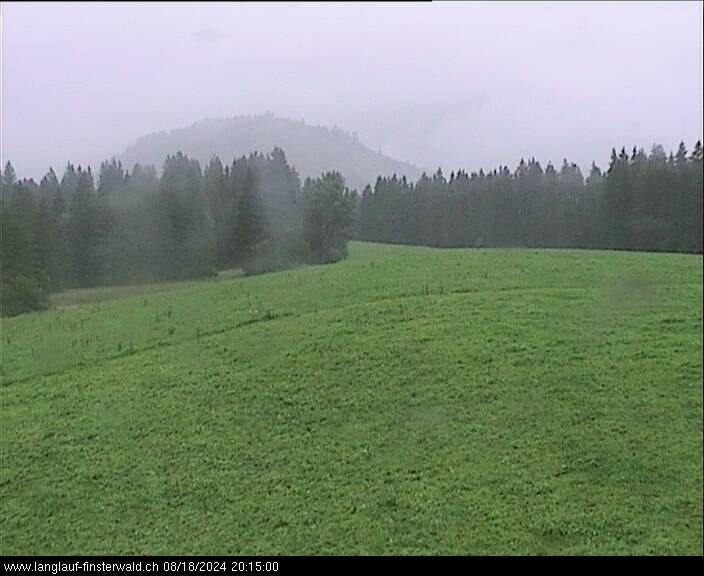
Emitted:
pixel 311 149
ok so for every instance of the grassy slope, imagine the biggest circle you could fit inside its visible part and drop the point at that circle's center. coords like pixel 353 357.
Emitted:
pixel 407 400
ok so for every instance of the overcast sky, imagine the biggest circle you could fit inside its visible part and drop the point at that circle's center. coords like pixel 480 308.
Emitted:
pixel 447 84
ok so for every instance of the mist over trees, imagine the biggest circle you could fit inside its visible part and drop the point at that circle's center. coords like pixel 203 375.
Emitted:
pixel 643 202
pixel 132 227
pixel 254 214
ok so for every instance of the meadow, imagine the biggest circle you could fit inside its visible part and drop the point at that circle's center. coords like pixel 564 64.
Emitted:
pixel 403 401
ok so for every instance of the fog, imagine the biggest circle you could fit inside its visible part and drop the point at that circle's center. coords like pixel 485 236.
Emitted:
pixel 453 85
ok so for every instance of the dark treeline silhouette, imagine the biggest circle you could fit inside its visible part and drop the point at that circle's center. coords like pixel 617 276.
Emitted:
pixel 642 202
pixel 131 227
pixel 254 214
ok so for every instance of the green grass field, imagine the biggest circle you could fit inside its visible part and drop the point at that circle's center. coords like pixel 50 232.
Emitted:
pixel 404 401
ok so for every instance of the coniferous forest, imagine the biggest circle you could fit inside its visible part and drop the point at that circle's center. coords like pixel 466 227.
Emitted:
pixel 650 202
pixel 121 226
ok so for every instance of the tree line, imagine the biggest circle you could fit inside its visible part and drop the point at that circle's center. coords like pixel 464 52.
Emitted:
pixel 643 202
pixel 134 227
pixel 254 214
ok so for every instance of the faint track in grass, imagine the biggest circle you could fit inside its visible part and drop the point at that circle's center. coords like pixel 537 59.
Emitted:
pixel 433 292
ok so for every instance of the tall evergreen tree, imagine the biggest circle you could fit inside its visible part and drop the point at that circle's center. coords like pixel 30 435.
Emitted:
pixel 82 232
pixel 185 230
pixel 250 228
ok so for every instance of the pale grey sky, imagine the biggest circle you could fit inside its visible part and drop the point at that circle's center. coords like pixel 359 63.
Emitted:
pixel 467 85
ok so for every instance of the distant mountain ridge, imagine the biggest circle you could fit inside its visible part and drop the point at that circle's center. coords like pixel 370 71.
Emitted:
pixel 311 149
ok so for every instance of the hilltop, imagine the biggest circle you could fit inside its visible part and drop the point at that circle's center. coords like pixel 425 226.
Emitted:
pixel 311 149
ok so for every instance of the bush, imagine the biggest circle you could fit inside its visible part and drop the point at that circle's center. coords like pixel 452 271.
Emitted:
pixel 21 294
pixel 266 257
